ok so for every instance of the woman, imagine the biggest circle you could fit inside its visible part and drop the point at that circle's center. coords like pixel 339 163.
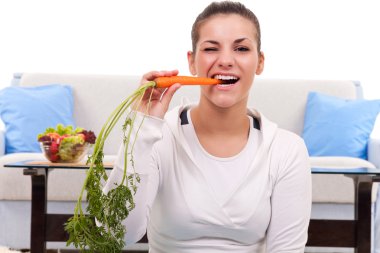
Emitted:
pixel 216 176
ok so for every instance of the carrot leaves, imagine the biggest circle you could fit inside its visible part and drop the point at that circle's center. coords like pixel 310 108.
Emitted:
pixel 99 228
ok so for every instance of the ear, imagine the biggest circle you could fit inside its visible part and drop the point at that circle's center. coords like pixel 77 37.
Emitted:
pixel 190 60
pixel 260 66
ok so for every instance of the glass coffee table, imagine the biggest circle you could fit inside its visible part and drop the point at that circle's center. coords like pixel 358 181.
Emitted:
pixel 354 233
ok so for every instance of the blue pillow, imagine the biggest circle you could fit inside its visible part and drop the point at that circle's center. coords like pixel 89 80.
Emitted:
pixel 28 111
pixel 338 127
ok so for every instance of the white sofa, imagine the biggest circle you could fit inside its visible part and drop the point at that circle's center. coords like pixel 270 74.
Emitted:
pixel 95 96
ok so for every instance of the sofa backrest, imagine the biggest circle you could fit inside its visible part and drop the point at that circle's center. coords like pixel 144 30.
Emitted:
pixel 284 100
pixel 96 96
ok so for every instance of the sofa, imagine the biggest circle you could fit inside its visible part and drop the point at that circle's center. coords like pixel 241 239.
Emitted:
pixel 284 101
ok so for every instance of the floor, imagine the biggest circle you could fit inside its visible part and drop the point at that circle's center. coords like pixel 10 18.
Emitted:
pixel 308 250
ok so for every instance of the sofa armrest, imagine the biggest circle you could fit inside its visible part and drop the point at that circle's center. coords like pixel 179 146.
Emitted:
pixel 2 142
pixel 374 151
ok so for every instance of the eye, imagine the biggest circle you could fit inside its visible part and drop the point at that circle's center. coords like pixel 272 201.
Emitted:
pixel 242 49
pixel 210 49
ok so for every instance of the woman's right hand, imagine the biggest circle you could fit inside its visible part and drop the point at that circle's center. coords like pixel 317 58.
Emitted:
pixel 159 97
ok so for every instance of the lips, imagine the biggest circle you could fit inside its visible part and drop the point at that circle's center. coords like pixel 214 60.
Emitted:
pixel 226 79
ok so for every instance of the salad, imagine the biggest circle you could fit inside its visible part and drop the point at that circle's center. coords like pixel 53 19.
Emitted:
pixel 65 144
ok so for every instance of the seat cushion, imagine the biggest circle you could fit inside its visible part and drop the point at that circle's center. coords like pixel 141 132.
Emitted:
pixel 336 162
pixel 337 188
pixel 63 184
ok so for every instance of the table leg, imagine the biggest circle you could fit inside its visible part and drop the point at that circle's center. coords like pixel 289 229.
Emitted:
pixel 39 208
pixel 363 206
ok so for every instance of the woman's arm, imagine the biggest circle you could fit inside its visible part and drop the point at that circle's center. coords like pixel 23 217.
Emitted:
pixel 146 131
pixel 291 201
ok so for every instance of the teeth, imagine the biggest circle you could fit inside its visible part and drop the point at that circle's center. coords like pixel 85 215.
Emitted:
pixel 221 77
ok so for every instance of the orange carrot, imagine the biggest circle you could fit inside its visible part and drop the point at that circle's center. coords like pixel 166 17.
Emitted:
pixel 166 81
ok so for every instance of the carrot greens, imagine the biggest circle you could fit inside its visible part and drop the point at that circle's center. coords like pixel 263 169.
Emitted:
pixel 100 228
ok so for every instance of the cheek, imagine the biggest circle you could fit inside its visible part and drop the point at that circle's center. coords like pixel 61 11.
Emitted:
pixel 250 63
pixel 203 65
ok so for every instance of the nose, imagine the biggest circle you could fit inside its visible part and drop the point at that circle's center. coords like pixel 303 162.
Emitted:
pixel 226 59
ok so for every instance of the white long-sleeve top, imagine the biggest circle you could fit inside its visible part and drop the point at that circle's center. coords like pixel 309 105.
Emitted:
pixel 268 209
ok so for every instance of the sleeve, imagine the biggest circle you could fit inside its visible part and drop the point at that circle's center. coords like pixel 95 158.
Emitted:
pixel 145 165
pixel 291 201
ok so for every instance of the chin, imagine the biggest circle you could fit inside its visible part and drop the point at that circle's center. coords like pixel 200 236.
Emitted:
pixel 225 103
pixel 223 100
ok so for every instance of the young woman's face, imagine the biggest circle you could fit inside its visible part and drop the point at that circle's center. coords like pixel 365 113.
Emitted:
pixel 227 49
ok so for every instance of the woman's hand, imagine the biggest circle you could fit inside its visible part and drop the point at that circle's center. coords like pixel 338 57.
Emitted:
pixel 159 97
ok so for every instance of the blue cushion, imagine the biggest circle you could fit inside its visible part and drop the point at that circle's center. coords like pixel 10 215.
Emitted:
pixel 338 127
pixel 28 111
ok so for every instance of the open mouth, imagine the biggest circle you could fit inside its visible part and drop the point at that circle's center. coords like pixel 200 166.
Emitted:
pixel 226 80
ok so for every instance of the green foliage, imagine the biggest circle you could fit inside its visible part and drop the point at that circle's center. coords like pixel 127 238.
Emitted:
pixel 100 229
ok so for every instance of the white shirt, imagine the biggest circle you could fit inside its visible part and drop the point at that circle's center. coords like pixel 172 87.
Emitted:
pixel 222 174
pixel 268 210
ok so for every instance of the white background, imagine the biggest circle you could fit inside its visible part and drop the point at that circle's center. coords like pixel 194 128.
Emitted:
pixel 324 39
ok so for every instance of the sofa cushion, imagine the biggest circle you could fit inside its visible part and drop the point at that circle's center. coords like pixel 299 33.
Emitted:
pixel 338 127
pixel 339 162
pixel 63 185
pixel 325 188
pixel 28 111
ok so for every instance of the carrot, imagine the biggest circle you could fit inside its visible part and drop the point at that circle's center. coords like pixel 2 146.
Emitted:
pixel 166 81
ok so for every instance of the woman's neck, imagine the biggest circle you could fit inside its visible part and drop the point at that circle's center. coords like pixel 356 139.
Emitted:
pixel 209 118
pixel 222 132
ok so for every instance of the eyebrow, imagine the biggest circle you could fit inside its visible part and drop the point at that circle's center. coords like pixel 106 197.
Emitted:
pixel 240 40
pixel 217 43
